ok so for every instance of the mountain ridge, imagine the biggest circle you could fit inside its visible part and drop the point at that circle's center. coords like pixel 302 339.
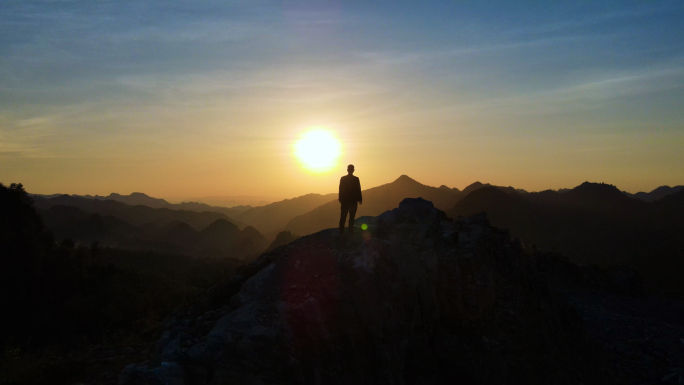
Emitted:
pixel 134 214
pixel 593 223
pixel 381 198
pixel 139 198
pixel 657 193
pixel 376 200
pixel 271 218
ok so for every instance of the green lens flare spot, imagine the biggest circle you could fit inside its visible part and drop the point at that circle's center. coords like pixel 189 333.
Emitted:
pixel 364 227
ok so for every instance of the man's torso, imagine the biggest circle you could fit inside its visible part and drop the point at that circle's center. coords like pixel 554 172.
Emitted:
pixel 350 188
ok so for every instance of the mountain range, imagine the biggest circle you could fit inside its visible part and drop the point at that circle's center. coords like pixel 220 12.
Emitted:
pixel 656 194
pixel 591 223
pixel 137 214
pixel 142 199
pixel 117 224
pixel 272 218
pixel 376 200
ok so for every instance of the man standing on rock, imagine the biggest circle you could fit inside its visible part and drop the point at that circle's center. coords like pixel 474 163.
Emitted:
pixel 350 194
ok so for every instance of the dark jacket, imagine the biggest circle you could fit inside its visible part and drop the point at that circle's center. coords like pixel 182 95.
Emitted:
pixel 350 189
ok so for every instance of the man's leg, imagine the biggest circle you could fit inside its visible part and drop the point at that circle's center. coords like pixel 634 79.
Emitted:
pixel 352 216
pixel 343 215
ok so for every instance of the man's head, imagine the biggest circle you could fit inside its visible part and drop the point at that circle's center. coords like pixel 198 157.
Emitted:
pixel 350 169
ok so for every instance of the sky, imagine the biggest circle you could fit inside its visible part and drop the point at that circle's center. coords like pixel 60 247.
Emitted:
pixel 207 98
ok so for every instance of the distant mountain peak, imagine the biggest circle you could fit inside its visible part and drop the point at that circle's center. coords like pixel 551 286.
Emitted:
pixel 249 230
pixel 474 186
pixel 138 198
pixel 139 194
pixel 657 193
pixel 404 179
pixel 447 188
pixel 221 224
pixel 661 188
pixel 597 189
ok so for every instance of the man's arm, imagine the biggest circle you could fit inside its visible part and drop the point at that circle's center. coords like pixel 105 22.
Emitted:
pixel 359 187
pixel 339 194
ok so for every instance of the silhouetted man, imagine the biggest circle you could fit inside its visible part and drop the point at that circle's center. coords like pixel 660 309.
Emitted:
pixel 350 194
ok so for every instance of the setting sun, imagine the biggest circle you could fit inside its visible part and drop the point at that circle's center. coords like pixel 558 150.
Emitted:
pixel 318 150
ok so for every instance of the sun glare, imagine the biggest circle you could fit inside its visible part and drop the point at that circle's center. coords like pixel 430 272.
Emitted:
pixel 318 150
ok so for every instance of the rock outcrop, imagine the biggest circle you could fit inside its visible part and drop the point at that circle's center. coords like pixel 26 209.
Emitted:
pixel 416 298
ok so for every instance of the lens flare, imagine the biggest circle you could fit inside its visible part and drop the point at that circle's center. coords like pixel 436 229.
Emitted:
pixel 318 150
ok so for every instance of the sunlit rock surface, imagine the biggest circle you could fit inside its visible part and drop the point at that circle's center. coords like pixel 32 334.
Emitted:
pixel 415 299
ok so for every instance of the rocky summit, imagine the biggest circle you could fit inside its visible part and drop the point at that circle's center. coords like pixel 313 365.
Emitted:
pixel 416 298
